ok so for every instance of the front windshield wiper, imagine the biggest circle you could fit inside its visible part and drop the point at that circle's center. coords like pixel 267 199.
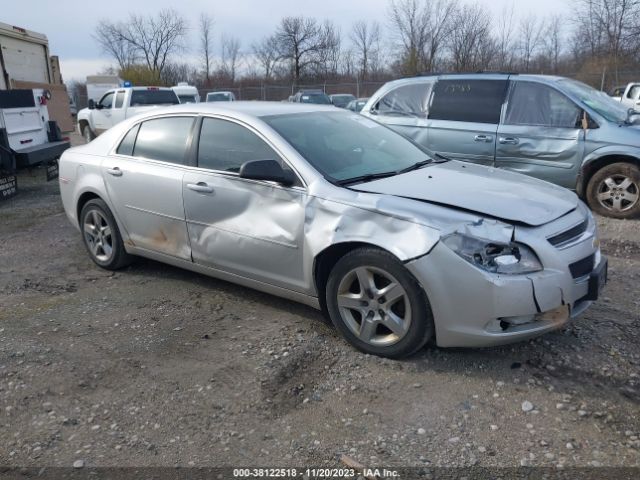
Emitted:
pixel 442 158
pixel 365 178
pixel 415 166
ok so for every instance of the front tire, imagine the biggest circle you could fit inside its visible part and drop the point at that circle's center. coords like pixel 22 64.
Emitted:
pixel 377 305
pixel 87 134
pixel 101 236
pixel 614 191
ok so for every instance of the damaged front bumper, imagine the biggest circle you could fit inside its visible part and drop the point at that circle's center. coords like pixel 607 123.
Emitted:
pixel 475 308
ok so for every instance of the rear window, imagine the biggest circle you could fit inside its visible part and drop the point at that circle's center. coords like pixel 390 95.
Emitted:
pixel 163 139
pixel 153 97
pixel 478 101
pixel 316 98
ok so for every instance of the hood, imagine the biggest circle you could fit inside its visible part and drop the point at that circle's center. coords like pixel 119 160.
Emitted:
pixel 489 191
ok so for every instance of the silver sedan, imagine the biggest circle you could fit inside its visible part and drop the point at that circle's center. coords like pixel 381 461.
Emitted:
pixel 329 208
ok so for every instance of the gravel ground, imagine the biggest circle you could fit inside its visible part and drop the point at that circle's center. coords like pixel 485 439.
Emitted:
pixel 155 366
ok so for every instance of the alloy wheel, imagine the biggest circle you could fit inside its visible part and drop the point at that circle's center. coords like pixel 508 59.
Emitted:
pixel 97 234
pixel 374 306
pixel 618 193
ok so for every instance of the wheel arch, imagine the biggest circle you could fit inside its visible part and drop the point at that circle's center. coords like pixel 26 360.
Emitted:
pixel 324 262
pixel 590 167
pixel 82 201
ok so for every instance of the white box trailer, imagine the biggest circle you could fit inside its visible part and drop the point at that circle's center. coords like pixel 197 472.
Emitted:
pixel 98 85
pixel 24 56
pixel 27 136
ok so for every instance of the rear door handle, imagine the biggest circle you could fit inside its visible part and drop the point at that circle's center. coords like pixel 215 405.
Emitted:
pixel 483 138
pixel 115 171
pixel 200 187
pixel 508 141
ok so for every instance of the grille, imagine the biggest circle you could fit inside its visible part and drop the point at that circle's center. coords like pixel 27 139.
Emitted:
pixel 582 267
pixel 568 235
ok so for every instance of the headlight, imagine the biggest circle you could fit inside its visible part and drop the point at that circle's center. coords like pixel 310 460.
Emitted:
pixel 512 258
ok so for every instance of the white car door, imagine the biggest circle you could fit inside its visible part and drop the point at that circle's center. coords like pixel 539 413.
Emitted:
pixel 254 229
pixel 102 113
pixel 144 184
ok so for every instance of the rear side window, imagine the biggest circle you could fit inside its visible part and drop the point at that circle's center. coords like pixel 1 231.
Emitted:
pixel 153 97
pixel 540 105
pixel 478 101
pixel 128 142
pixel 119 99
pixel 408 100
pixel 163 139
pixel 226 146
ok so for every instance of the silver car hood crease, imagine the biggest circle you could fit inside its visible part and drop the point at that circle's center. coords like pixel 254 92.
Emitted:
pixel 493 192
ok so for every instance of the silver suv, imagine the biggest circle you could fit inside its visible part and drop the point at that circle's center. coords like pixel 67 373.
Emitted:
pixel 552 128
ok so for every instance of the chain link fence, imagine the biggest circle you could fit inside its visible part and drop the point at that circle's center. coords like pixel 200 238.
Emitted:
pixel 277 92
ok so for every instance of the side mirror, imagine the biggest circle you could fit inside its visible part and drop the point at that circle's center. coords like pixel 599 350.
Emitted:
pixel 634 118
pixel 269 170
pixel 91 105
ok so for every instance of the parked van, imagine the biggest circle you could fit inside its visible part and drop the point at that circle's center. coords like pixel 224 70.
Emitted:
pixel 553 128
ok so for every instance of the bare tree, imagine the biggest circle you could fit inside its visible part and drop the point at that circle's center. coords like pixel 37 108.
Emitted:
pixel 329 52
pixel 366 42
pixel 505 42
pixel 153 39
pixel 112 42
pixel 472 46
pixel 206 45
pixel 229 56
pixel 266 53
pixel 553 41
pixel 608 27
pixel 422 28
pixel 530 36
pixel 300 41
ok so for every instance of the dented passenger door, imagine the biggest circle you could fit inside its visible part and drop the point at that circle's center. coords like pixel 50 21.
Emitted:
pixel 245 227
pixel 541 134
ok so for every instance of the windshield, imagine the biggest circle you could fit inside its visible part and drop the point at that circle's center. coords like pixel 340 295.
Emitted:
pixel 343 145
pixel 318 98
pixel 153 97
pixel 218 97
pixel 599 101
pixel 188 98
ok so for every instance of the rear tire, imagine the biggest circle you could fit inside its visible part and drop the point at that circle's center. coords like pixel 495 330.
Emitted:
pixel 614 191
pixel 101 236
pixel 377 305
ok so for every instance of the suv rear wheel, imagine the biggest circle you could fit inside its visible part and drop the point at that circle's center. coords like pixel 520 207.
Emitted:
pixel 614 191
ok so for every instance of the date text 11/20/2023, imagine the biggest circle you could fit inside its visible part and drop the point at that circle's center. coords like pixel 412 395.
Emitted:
pixel 313 473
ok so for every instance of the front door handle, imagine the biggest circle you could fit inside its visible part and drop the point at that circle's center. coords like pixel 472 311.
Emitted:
pixel 483 138
pixel 115 171
pixel 200 187
pixel 508 141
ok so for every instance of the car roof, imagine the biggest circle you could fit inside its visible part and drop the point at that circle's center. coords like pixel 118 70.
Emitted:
pixel 250 108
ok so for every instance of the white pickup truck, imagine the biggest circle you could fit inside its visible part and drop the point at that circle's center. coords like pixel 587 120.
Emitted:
pixel 629 96
pixel 119 104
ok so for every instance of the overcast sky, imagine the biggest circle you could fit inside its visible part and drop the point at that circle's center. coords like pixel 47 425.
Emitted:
pixel 69 23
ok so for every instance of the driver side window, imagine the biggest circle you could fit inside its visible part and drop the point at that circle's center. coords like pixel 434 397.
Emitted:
pixel 225 146
pixel 537 104
pixel 107 100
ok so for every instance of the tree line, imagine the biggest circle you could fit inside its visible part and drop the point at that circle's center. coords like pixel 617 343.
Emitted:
pixel 413 37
